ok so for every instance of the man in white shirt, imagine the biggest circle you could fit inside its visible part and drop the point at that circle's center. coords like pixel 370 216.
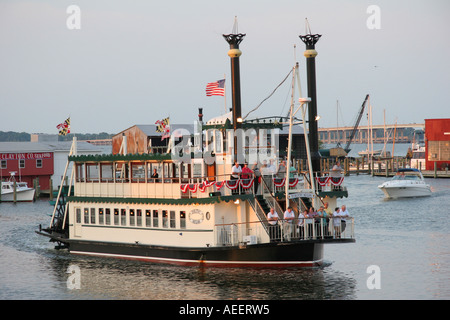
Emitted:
pixel 288 219
pixel 272 217
pixel 236 171
pixel 343 213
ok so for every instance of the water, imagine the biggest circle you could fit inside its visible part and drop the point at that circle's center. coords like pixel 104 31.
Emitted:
pixel 409 240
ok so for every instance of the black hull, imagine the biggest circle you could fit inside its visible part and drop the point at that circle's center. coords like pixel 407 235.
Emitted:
pixel 291 254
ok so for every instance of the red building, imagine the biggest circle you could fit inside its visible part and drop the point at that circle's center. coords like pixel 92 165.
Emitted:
pixel 30 162
pixel 437 143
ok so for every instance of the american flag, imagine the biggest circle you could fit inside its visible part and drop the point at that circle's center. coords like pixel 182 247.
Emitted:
pixel 216 88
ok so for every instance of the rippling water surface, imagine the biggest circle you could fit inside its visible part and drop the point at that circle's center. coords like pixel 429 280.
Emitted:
pixel 407 239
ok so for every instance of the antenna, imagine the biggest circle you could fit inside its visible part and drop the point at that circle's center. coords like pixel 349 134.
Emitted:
pixel 307 26
pixel 235 26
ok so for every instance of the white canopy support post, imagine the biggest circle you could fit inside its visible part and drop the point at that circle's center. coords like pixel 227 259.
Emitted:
pixel 73 150
pixel 68 193
pixel 304 101
pixel 291 115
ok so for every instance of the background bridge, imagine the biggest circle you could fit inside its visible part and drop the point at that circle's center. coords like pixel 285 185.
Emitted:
pixel 403 133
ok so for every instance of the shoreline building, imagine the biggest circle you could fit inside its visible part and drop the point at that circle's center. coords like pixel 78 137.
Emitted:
pixel 437 143
pixel 45 160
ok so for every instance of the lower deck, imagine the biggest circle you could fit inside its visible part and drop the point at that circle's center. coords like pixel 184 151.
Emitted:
pixel 222 224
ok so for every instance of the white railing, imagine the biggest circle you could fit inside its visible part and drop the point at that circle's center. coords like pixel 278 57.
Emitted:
pixel 300 229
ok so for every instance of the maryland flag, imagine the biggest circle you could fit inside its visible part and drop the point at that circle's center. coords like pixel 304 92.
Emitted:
pixel 64 128
pixel 163 127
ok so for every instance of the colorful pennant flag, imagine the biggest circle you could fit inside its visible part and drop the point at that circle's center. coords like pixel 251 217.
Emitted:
pixel 163 127
pixel 64 128
pixel 216 88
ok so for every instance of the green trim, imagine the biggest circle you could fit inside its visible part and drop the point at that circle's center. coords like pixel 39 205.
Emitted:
pixel 182 201
pixel 121 157
pixel 333 194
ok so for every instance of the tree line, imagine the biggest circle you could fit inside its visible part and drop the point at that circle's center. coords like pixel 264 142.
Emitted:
pixel 11 136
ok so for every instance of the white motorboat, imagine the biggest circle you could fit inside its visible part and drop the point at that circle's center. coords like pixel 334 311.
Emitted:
pixel 23 192
pixel 407 182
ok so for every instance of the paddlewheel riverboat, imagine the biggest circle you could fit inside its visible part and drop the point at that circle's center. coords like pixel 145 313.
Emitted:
pixel 193 212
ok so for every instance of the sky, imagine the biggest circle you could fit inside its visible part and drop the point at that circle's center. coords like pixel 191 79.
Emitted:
pixel 136 62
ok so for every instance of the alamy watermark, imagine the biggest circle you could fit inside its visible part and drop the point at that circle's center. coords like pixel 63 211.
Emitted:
pixel 373 22
pixel 374 280
pixel 73 21
pixel 74 279
pixel 241 145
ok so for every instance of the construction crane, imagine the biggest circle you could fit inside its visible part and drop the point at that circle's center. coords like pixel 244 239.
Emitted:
pixel 355 127
pixel 338 151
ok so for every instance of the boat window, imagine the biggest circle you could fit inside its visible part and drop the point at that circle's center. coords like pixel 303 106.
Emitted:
pixel 137 172
pixel 172 219
pixel 185 170
pixel 107 216
pixel 80 172
pixel 107 172
pixel 4 164
pixel 121 172
pixel 86 215
pixel 218 141
pixel 197 171
pixel 116 216
pixel 418 155
pixel 92 172
pixel 78 215
pixel 155 219
pixel 183 219
pixel 132 218
pixel 152 168
pixel 165 219
pixel 123 217
pixel 93 215
pixel 168 171
pixel 148 218
pixel 100 216
pixel 139 217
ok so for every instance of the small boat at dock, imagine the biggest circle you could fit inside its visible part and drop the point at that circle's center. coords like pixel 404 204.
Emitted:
pixel 22 191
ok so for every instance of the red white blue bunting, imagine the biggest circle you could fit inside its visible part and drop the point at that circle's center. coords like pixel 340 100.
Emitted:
pixel 322 181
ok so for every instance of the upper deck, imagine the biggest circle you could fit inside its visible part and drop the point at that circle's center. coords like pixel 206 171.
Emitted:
pixel 133 176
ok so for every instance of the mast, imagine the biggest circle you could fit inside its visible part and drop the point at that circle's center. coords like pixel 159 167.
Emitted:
pixel 234 39
pixel 310 53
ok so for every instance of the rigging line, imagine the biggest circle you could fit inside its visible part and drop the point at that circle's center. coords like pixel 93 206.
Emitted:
pixel 254 109
pixel 285 102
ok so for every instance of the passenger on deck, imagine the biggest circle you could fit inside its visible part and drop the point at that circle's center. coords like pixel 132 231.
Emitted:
pixel 274 229
pixel 301 224
pixel 343 214
pixel 281 173
pixel 336 172
pixel 321 222
pixel 236 171
pixel 329 212
pixel 310 222
pixel 154 175
pixel 288 217
pixel 337 223
pixel 257 176
pixel 247 173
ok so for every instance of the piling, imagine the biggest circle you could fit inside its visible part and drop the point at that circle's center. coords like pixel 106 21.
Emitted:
pixel 15 191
